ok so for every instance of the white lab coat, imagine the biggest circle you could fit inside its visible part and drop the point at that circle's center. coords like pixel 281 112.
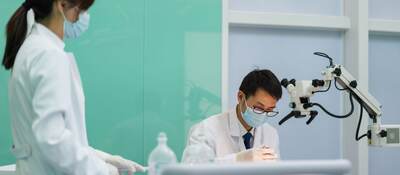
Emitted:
pixel 223 134
pixel 47 110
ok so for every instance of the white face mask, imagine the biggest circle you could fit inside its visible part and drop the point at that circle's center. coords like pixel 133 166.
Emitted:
pixel 253 119
pixel 73 30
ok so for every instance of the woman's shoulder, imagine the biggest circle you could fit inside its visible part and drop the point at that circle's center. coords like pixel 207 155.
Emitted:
pixel 36 49
pixel 41 43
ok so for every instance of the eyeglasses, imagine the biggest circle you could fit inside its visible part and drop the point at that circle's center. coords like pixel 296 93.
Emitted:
pixel 263 112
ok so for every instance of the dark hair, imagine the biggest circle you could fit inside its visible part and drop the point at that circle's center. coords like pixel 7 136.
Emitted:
pixel 17 25
pixel 261 79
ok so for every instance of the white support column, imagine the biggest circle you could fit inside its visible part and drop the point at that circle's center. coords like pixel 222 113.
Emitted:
pixel 356 61
pixel 225 56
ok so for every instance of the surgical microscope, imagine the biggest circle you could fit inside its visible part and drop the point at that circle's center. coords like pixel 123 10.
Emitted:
pixel 301 91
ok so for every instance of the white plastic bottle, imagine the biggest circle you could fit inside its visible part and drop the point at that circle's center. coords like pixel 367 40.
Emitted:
pixel 161 156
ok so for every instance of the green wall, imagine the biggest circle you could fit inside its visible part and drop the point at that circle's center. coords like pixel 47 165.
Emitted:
pixel 147 66
pixel 6 10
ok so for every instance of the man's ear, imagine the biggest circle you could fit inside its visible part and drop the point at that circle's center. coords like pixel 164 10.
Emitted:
pixel 240 96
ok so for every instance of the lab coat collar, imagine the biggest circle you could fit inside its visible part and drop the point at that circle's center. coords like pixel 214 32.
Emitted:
pixel 233 123
pixel 235 127
pixel 43 30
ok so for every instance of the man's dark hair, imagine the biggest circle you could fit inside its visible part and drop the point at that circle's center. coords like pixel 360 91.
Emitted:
pixel 262 79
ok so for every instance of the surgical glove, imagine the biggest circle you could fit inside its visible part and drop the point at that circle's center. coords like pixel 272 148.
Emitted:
pixel 125 165
pixel 112 169
pixel 256 154
pixel 119 162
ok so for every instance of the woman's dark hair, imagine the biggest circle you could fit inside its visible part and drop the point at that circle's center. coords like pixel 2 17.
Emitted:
pixel 261 79
pixel 17 25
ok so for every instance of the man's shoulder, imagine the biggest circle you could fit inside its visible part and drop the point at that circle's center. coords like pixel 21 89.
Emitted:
pixel 218 119
pixel 214 122
pixel 215 117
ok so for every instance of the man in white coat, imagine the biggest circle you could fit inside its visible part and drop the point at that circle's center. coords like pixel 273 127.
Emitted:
pixel 243 134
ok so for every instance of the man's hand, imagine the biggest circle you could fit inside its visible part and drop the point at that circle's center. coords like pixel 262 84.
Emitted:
pixel 256 154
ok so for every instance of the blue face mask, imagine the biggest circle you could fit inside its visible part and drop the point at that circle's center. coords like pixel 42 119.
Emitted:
pixel 73 30
pixel 253 119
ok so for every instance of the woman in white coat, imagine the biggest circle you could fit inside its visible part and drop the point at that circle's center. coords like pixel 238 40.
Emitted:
pixel 45 93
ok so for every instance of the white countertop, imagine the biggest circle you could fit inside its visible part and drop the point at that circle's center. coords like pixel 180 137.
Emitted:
pixel 7 170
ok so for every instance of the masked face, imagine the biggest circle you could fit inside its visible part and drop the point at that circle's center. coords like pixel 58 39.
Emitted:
pixel 73 29
pixel 253 119
pixel 257 109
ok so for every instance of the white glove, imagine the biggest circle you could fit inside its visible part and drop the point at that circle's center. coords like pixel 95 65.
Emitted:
pixel 120 163
pixel 256 154
pixel 125 165
pixel 112 169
